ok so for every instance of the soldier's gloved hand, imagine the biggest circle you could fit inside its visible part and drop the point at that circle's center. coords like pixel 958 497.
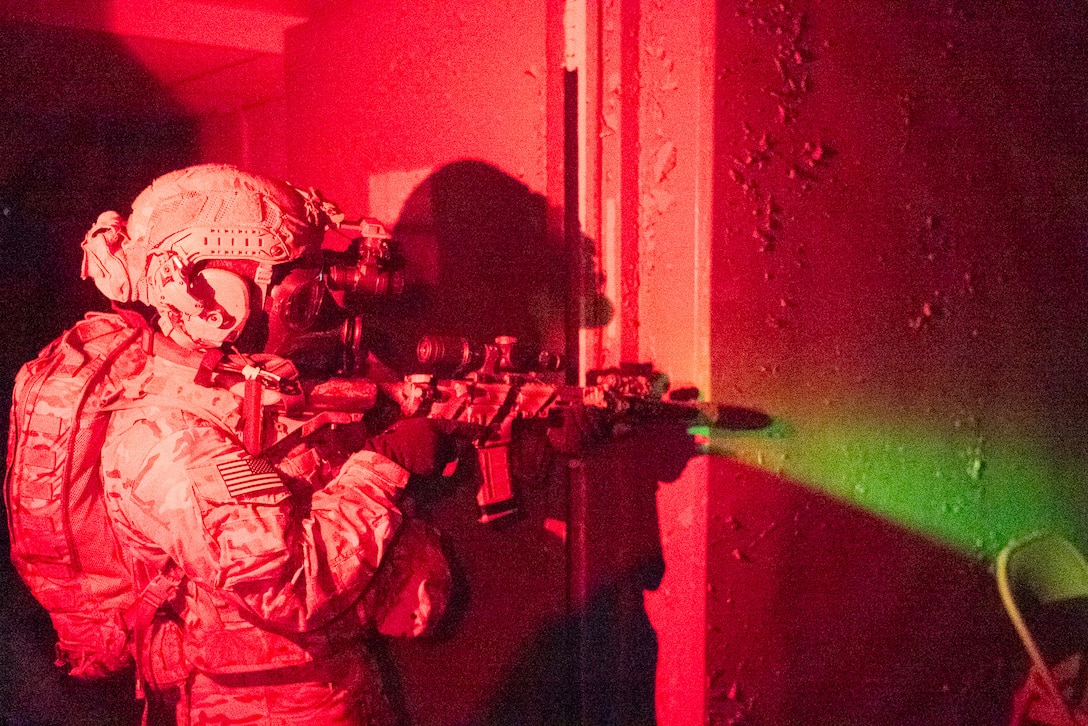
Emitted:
pixel 423 446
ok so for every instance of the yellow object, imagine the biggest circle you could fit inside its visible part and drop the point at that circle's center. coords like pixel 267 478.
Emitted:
pixel 1043 569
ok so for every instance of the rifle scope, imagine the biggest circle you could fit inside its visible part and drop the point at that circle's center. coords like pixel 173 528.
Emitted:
pixel 505 355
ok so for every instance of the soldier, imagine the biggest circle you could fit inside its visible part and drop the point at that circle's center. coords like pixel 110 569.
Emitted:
pixel 278 557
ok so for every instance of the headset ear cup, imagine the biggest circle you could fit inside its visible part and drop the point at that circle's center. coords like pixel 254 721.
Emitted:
pixel 221 313
pixel 104 258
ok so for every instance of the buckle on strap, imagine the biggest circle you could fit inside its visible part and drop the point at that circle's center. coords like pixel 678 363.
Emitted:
pixel 162 587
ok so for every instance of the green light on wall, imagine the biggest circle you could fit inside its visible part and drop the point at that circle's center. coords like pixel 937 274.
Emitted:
pixel 969 492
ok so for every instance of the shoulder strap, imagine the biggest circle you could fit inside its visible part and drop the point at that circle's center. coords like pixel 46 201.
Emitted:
pixel 161 588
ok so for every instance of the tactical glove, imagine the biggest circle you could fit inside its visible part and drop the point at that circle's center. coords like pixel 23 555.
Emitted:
pixel 422 446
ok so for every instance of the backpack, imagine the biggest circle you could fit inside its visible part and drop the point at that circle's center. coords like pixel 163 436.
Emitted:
pixel 62 543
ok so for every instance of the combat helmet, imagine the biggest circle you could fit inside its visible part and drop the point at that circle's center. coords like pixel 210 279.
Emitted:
pixel 201 246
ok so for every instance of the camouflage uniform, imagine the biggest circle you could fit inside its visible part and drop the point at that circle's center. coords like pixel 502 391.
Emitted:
pixel 287 564
pixel 267 630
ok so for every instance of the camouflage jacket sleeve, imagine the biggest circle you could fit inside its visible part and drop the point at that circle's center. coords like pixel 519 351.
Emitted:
pixel 181 485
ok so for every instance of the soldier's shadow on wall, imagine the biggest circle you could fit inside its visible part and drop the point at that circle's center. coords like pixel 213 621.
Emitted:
pixel 480 262
pixel 598 663
pixel 484 260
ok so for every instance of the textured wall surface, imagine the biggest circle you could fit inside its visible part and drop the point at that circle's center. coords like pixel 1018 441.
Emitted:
pixel 397 86
pixel 432 117
pixel 899 238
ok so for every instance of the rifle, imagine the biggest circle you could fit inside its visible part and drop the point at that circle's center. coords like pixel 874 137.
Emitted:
pixel 490 392
pixel 495 389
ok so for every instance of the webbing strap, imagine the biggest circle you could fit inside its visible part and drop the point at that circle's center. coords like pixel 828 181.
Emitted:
pixel 155 343
pixel 138 617
pixel 253 416
pixel 162 587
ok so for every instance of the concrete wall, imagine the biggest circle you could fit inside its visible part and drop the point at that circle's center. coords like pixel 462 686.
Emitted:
pixel 899 239
pixel 434 118
pixel 865 222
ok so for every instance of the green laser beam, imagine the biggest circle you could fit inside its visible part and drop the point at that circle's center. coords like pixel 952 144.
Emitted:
pixel 969 492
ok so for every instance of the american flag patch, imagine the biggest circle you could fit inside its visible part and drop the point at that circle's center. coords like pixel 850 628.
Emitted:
pixel 248 476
